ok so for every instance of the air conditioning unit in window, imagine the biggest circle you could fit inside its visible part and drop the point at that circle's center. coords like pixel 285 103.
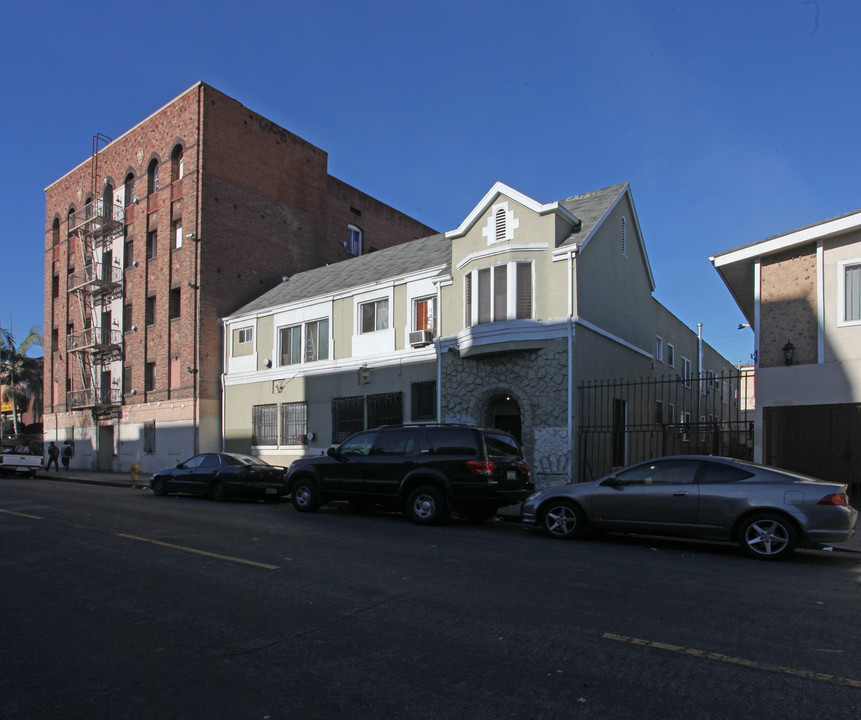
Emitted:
pixel 420 338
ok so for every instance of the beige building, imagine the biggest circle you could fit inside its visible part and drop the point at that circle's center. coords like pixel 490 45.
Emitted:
pixel 498 322
pixel 801 292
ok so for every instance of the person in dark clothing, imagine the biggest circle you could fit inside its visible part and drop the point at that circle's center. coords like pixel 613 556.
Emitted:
pixel 53 455
pixel 68 454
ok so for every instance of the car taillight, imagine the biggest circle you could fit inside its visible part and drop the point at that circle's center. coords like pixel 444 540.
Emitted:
pixel 483 468
pixel 835 499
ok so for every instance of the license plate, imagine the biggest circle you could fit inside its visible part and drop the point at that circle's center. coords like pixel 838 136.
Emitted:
pixel 511 475
pixel 271 491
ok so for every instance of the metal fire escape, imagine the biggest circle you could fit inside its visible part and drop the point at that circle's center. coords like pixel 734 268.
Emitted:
pixel 96 284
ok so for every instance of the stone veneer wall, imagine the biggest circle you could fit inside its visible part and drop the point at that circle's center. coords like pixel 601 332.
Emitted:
pixel 788 311
pixel 537 380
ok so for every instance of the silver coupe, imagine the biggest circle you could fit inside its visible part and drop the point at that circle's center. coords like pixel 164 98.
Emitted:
pixel 768 511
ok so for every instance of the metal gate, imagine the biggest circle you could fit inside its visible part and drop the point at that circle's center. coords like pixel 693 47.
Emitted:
pixel 622 422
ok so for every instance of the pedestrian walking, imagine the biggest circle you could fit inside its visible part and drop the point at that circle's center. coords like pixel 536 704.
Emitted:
pixel 53 455
pixel 68 454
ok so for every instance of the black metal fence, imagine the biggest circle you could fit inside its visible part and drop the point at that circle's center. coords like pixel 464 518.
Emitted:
pixel 626 421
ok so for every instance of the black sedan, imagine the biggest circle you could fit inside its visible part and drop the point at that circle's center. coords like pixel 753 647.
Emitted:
pixel 220 476
pixel 766 510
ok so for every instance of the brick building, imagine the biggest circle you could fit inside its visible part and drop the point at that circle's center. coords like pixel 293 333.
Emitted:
pixel 187 216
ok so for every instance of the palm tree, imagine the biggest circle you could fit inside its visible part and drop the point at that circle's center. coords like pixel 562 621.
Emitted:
pixel 20 375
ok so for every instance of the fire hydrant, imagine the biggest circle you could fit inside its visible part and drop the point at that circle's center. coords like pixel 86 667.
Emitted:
pixel 133 470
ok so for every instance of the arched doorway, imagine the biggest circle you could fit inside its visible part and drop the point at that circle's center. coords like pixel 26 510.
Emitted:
pixel 503 413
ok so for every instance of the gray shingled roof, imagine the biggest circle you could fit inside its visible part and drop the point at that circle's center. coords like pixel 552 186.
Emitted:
pixel 402 259
pixel 410 257
pixel 589 208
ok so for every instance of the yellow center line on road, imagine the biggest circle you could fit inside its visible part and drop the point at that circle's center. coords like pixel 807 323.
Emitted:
pixel 199 552
pixel 706 655
pixel 10 512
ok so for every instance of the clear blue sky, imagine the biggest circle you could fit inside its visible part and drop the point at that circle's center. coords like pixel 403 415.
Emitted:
pixel 733 121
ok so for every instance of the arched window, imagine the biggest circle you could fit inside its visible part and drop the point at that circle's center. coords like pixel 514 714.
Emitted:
pixel 176 164
pixel 70 220
pixel 108 201
pixel 152 177
pixel 129 189
pixel 55 232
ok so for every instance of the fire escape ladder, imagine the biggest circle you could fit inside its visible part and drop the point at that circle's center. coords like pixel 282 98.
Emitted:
pixel 95 283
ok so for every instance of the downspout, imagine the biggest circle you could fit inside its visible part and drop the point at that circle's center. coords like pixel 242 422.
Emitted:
pixel 438 347
pixel 195 376
pixel 571 448
pixel 224 358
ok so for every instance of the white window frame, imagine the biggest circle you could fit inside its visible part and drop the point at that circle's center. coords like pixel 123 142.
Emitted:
pixel 305 326
pixel 375 302
pixel 842 267
pixel 302 329
pixel 431 300
pixel 292 361
pixel 379 341
pixel 671 355
pixel 686 372
pixel 659 348
pixel 510 292
pixel 355 240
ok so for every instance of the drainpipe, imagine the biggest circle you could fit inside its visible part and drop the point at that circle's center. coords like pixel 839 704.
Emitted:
pixel 438 348
pixel 195 377
pixel 571 364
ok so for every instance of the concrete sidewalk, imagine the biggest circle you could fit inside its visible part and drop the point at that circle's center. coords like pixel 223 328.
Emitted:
pixel 95 477
pixel 116 479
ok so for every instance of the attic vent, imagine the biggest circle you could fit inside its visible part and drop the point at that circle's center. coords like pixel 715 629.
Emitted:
pixel 500 225
pixel 624 238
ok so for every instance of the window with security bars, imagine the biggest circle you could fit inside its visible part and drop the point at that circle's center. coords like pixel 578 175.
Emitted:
pixel 294 423
pixel 385 409
pixel 348 417
pixel 264 427
pixel 423 401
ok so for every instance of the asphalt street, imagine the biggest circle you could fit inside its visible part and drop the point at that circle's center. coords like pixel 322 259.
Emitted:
pixel 119 604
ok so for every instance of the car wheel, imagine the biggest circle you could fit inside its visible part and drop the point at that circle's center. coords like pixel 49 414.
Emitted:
pixel 159 486
pixel 305 496
pixel 562 519
pixel 767 536
pixel 218 492
pixel 426 505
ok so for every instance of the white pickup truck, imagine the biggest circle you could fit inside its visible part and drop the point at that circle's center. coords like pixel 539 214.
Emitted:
pixel 20 464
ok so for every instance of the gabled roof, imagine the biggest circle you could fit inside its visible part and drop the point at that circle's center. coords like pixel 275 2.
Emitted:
pixel 585 212
pixel 736 267
pixel 503 189
pixel 396 261
pixel 592 208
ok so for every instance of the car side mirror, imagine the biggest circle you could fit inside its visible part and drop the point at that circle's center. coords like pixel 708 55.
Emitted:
pixel 334 453
pixel 610 482
pixel 180 466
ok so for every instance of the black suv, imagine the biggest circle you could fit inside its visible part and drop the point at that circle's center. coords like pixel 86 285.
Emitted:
pixel 426 471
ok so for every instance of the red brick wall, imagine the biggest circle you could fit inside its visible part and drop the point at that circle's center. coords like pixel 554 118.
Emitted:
pixel 262 205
